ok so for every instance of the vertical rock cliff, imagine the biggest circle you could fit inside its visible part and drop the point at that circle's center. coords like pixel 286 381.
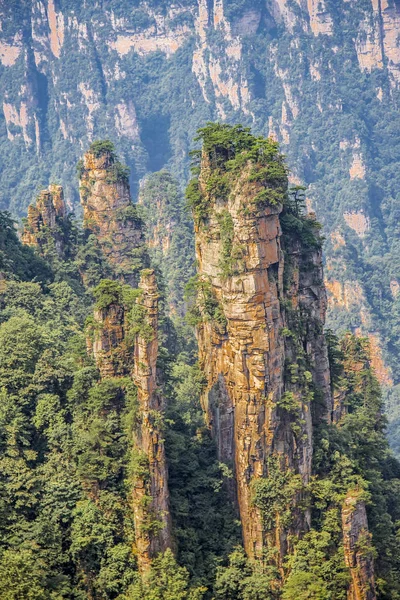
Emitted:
pixel 46 221
pixel 108 344
pixel 108 211
pixel 124 337
pixel 150 495
pixel 260 310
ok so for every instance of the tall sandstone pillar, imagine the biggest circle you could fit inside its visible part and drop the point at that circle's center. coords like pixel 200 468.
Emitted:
pixel 260 359
pixel 125 338
pixel 150 496
pixel 357 548
pixel 109 214
pixel 46 220
pixel 124 343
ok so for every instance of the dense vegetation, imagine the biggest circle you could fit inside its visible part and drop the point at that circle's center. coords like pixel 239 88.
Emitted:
pixel 66 527
pixel 169 234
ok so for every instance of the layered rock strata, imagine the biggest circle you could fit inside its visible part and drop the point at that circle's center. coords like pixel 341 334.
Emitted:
pixel 262 351
pixel 47 216
pixel 108 213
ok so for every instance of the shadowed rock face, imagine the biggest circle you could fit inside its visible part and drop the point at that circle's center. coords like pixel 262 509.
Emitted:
pixel 357 548
pixel 257 399
pixel 46 216
pixel 108 212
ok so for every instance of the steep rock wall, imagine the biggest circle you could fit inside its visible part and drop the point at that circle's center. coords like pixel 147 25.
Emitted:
pixel 150 495
pixel 108 344
pixel 124 342
pixel 258 399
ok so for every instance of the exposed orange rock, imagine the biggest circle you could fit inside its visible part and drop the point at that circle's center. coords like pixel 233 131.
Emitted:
pixel 357 548
pixel 47 215
pixel 378 39
pixel 345 294
pixel 357 169
pixel 144 43
pixel 108 212
pixel 243 354
pixel 150 494
pixel 23 118
pixel 9 52
pixel 56 25
pixel 350 295
pixel 320 20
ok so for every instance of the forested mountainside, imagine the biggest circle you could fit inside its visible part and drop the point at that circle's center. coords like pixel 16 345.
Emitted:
pixel 139 464
pixel 321 77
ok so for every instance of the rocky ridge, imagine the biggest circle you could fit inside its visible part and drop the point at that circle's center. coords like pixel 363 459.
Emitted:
pixel 243 352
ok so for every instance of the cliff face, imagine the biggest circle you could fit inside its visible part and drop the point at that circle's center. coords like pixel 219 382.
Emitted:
pixel 357 548
pixel 262 305
pixel 109 214
pixel 47 215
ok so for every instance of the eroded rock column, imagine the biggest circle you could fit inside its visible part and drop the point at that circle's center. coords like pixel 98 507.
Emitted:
pixel 260 362
pixel 47 216
pixel 109 214
pixel 150 495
